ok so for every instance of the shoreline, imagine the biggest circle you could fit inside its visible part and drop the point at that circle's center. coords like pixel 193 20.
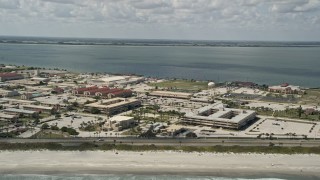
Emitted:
pixel 167 78
pixel 158 163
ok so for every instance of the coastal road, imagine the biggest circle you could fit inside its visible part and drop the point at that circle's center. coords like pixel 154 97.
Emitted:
pixel 173 142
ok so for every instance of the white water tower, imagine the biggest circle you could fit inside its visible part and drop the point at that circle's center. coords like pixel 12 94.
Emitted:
pixel 211 85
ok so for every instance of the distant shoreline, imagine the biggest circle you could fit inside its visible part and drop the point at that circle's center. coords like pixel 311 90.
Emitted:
pixel 155 45
pixel 152 42
pixel 160 45
pixel 134 74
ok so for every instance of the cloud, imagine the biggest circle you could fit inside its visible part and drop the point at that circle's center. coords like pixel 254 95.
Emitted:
pixel 73 2
pixel 9 4
pixel 147 4
pixel 189 17
pixel 250 2
pixel 295 6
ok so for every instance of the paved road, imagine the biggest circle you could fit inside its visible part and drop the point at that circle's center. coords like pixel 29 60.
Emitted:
pixel 175 142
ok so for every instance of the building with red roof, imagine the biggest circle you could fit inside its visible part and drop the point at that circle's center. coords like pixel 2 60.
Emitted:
pixel 286 88
pixel 10 76
pixel 80 91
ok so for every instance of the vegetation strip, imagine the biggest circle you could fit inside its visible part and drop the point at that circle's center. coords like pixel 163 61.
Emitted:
pixel 125 147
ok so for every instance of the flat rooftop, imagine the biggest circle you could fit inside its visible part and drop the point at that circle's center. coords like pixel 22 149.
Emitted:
pixel 53 99
pixel 171 94
pixel 113 78
pixel 7 116
pixel 219 113
pixel 16 100
pixel 19 111
pixel 120 118
pixel 110 103
pixel 37 107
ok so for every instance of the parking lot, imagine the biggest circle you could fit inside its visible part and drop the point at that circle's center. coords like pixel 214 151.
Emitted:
pixel 285 127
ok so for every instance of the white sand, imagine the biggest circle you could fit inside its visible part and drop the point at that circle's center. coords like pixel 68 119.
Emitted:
pixel 99 162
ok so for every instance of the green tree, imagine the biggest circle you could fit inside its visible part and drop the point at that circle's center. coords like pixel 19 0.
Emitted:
pixel 58 115
pixel 45 126
pixel 54 128
pixel 64 129
pixel 72 131
pixel 299 111
pixel 75 104
pixel 95 110
pixel 36 121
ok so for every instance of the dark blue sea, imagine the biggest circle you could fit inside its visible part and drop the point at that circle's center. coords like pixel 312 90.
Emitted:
pixel 261 62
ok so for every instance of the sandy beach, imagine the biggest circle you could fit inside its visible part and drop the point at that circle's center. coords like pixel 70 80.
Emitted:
pixel 123 162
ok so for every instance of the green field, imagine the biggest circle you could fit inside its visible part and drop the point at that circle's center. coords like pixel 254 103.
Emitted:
pixel 184 85
pixel 47 134
pixel 312 96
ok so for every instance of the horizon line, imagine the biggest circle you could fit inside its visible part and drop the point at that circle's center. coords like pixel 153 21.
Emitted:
pixel 158 39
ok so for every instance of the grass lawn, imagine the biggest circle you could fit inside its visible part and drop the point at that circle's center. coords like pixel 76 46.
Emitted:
pixel 46 134
pixel 182 85
pixel 312 96
pixel 44 115
pixel 132 131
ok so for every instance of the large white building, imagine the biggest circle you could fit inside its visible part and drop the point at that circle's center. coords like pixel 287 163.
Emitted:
pixel 120 80
pixel 286 88
pixel 171 94
pixel 216 115
pixel 118 123
pixel 114 106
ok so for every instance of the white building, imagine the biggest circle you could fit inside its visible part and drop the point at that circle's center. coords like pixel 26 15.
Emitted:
pixel 118 123
pixel 114 106
pixel 171 94
pixel 286 89
pixel 216 115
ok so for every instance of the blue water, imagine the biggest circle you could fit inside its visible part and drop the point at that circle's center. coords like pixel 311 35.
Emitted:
pixel 264 65
pixel 124 177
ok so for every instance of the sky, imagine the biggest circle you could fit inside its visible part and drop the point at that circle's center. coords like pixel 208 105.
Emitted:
pixel 271 20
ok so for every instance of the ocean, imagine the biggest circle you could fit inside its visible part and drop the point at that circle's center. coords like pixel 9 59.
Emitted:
pixel 259 62
pixel 131 177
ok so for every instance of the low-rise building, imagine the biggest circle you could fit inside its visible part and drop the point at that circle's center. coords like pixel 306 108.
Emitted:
pixel 109 80
pixel 16 101
pixel 10 76
pixel 119 123
pixel 80 91
pixel 23 82
pixel 216 115
pixel 171 94
pixel 55 101
pixel 57 90
pixel 40 80
pixel 21 112
pixel 40 109
pixel 285 88
pixel 8 117
pixel 28 96
pixel 8 93
pixel 114 106
pixel 93 92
